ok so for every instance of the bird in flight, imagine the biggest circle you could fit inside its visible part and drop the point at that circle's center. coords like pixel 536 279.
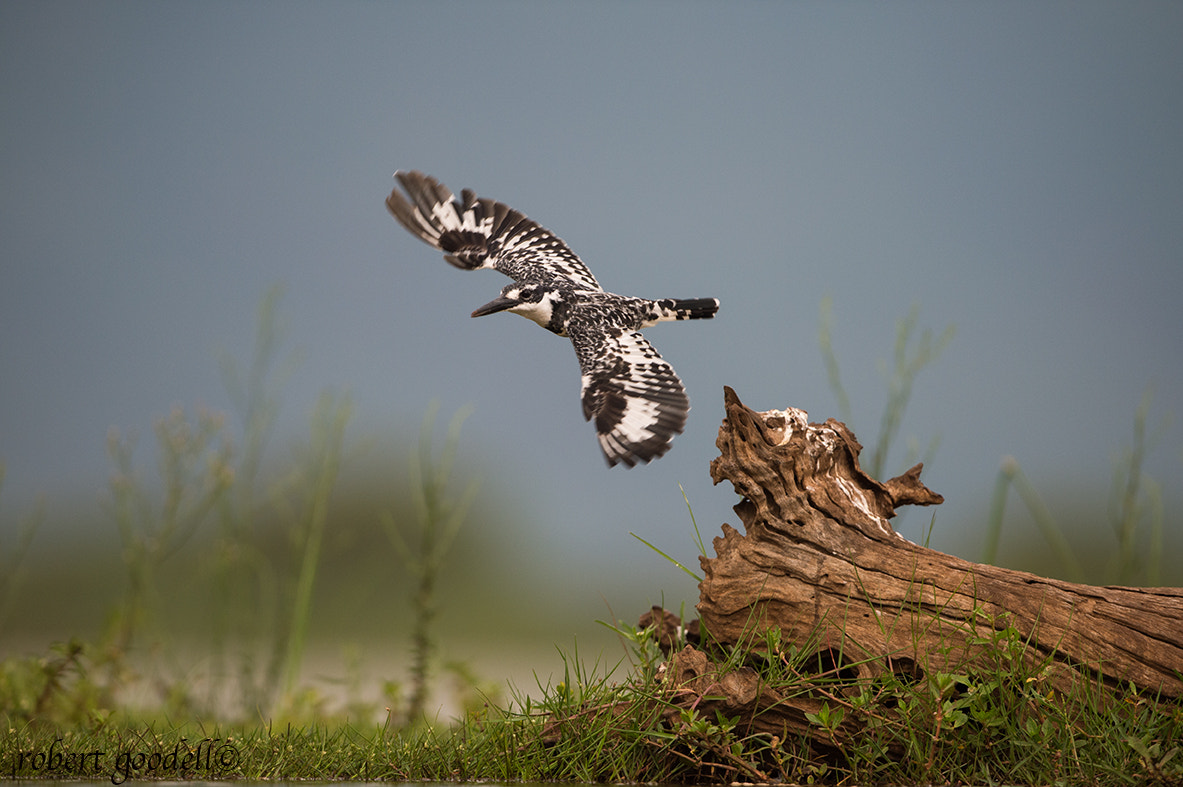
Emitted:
pixel 634 398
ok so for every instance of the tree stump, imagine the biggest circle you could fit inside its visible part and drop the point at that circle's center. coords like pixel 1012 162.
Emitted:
pixel 820 559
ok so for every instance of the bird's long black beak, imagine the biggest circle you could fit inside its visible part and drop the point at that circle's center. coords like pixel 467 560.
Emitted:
pixel 498 304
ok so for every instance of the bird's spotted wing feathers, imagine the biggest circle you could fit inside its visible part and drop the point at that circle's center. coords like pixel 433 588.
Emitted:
pixel 633 397
pixel 481 233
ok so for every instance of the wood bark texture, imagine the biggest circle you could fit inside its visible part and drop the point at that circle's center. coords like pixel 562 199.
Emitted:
pixel 819 558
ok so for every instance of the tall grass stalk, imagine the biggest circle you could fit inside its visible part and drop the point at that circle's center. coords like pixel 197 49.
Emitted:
pixel 253 392
pixel 245 580
pixel 997 511
pixel 12 556
pixel 1137 497
pixel 910 355
pixel 324 462
pixel 825 336
pixel 422 554
pixel 900 378
pixel 194 460
pixel 702 550
pixel 1010 474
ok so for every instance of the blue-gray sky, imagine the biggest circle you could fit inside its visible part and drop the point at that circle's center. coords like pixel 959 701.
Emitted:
pixel 1016 169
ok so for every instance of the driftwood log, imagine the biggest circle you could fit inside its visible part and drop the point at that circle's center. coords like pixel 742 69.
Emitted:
pixel 820 561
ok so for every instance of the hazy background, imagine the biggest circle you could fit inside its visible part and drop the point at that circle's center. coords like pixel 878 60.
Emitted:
pixel 1015 169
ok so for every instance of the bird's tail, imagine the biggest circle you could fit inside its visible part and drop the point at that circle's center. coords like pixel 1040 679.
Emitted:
pixel 688 308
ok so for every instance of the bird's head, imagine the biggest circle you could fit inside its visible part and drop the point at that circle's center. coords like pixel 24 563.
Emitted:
pixel 532 301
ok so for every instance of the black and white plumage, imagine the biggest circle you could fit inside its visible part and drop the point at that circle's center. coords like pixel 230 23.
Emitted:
pixel 633 396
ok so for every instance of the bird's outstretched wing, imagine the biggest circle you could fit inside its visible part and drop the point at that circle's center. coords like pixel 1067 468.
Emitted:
pixel 633 397
pixel 480 233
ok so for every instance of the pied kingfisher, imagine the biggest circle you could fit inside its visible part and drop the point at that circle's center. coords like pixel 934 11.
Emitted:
pixel 633 396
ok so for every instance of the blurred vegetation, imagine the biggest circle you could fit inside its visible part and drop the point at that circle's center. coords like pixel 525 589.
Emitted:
pixel 1066 537
pixel 1133 552
pixel 12 556
pixel 911 354
pixel 208 596
pixel 220 578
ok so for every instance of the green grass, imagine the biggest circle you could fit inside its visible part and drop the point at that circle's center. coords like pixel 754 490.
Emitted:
pixel 1001 724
